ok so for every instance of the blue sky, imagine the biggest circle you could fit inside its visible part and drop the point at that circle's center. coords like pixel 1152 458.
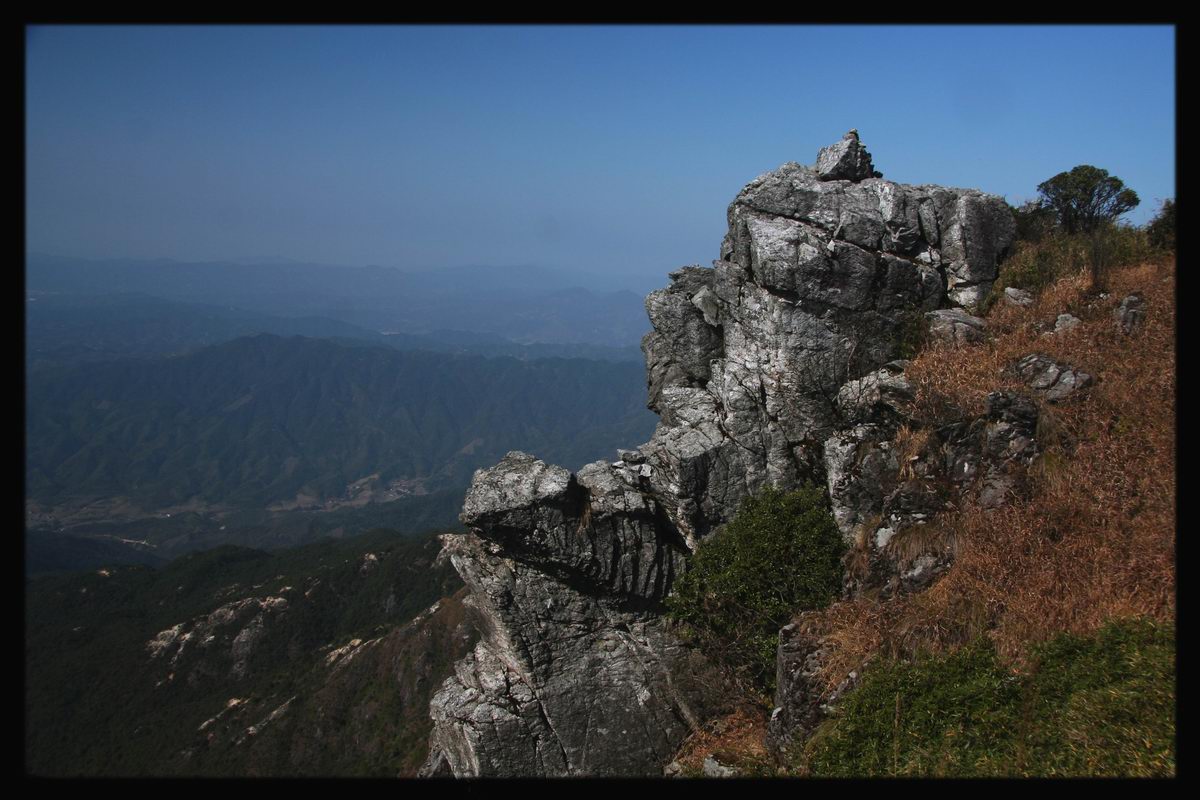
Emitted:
pixel 601 149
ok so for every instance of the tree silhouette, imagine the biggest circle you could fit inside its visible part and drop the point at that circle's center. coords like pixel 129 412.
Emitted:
pixel 1086 197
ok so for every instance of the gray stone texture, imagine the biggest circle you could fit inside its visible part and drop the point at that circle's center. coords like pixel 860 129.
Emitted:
pixel 777 366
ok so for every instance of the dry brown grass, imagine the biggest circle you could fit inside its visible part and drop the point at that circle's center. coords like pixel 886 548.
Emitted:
pixel 737 740
pixel 916 540
pixel 910 443
pixel 858 556
pixel 1096 538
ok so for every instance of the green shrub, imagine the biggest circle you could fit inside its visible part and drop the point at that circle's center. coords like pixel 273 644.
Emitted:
pixel 1034 221
pixel 781 554
pixel 1161 229
pixel 1101 705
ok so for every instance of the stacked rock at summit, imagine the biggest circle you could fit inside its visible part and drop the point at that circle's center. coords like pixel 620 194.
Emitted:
pixel 824 274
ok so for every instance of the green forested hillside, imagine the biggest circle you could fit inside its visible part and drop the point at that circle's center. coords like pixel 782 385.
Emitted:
pixel 255 628
pixel 263 419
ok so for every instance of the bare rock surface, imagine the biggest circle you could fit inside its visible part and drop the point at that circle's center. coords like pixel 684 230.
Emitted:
pixel 845 160
pixel 776 366
pixel 1017 297
pixel 1130 313
pixel 1054 380
pixel 956 327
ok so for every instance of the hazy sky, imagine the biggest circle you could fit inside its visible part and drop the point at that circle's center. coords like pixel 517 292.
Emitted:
pixel 604 149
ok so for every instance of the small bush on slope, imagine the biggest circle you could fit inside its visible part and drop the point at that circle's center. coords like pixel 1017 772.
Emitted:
pixel 781 554
pixel 1102 705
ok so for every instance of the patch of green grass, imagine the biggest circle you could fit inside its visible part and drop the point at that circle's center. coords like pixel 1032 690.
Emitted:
pixel 1102 705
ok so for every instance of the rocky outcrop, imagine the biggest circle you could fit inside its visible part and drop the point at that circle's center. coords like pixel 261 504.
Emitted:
pixel 775 366
pixel 1052 379
pixel 955 327
pixel 573 674
pixel 1018 297
pixel 214 635
pixel 845 160
pixel 1130 313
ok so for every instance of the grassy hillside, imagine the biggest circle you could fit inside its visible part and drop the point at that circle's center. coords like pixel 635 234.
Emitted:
pixel 1096 705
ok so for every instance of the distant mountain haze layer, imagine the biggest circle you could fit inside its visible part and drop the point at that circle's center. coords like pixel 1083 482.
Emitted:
pixel 522 303
pixel 73 328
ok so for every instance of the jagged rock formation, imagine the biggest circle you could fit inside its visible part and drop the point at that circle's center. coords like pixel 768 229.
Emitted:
pixel 763 371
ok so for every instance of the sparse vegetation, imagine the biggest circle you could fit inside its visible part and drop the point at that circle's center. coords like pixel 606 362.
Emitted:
pixel 1086 198
pixel 1036 263
pixel 1075 224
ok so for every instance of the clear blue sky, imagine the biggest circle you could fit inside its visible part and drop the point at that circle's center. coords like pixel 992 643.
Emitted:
pixel 602 149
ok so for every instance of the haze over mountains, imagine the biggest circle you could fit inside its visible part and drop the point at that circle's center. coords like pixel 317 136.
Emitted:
pixel 522 304
pixel 173 405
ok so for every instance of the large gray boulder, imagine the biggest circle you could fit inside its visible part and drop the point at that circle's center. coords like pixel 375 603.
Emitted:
pixel 776 366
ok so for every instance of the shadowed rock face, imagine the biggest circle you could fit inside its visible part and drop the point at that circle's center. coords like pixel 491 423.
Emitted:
pixel 576 671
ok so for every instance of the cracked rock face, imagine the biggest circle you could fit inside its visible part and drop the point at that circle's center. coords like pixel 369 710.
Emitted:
pixel 753 366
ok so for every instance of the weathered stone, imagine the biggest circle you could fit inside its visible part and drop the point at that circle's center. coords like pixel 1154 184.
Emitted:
pixel 631 456
pixel 683 344
pixel 1017 297
pixel 845 160
pixel 564 681
pixel 955 326
pixel 715 769
pixel 1063 323
pixel 1055 380
pixel 861 470
pixel 879 396
pixel 1130 313
pixel 979 233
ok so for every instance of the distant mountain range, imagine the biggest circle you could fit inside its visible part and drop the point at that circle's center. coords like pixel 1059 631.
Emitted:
pixel 294 423
pixel 177 406
pixel 70 329
pixel 524 305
